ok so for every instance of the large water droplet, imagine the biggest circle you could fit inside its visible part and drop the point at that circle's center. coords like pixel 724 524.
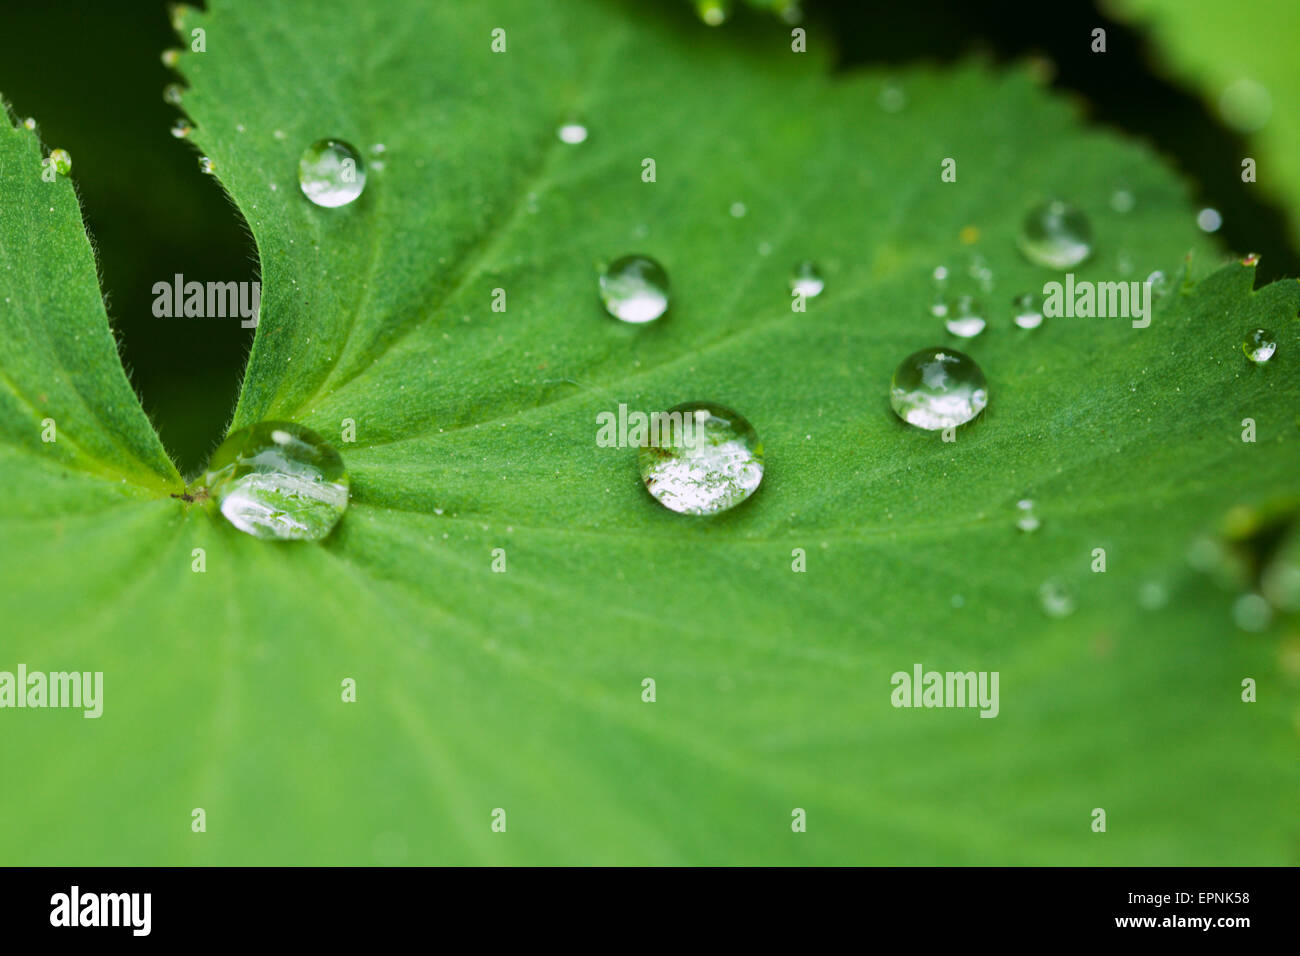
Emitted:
pixel 1027 310
pixel 938 388
pixel 807 280
pixel 331 173
pixel 965 319
pixel 280 481
pixel 635 289
pixel 1056 235
pixel 1209 220
pixel 1259 346
pixel 701 458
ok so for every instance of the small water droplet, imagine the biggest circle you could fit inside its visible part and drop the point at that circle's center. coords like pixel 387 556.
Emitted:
pixel 1252 613
pixel 1259 346
pixel 1209 220
pixel 713 12
pixel 938 388
pixel 172 93
pixel 278 481
pixel 1250 259
pixel 704 459
pixel 1153 595
pixel 29 123
pixel 635 289
pixel 1159 283
pixel 979 271
pixel 1121 200
pixel 171 57
pixel 1056 598
pixel 331 173
pixel 1026 519
pixel 1056 235
pixel 892 97
pixel 61 160
pixel 182 128
pixel 1027 310
pixel 206 165
pixel 572 133
pixel 378 149
pixel 807 280
pixel 1245 105
pixel 278 134
pixel 738 210
pixel 964 318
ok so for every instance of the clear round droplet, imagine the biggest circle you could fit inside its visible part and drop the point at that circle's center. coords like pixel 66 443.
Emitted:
pixel 713 12
pixel 1026 519
pixel 331 173
pixel 1056 235
pixel 1056 598
pixel 1121 200
pixel 278 481
pixel 1209 220
pixel 171 57
pixel 172 93
pixel 1159 283
pixel 807 280
pixel 1027 310
pixel 61 160
pixel 938 388
pixel 182 128
pixel 572 133
pixel 634 289
pixel 1252 613
pixel 29 123
pixel 965 317
pixel 702 458
pixel 1259 346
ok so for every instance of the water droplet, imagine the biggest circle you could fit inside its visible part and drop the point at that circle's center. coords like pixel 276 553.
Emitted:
pixel 1245 105
pixel 964 318
pixel 1250 259
pixel 703 460
pixel 182 128
pixel 1259 346
pixel 738 210
pixel 1056 235
pixel 278 134
pixel 1027 310
pixel 1159 283
pixel 1121 200
pixel 378 149
pixel 572 133
pixel 1026 520
pixel 1153 595
pixel 172 93
pixel 807 280
pixel 892 97
pixel 1056 598
pixel 1209 220
pixel 61 160
pixel 278 480
pixel 938 388
pixel 331 173
pixel 635 289
pixel 979 271
pixel 207 166
pixel 1252 613
pixel 713 12
pixel 29 123
pixel 171 57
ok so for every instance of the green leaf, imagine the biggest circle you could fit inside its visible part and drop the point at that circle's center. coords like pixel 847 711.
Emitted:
pixel 476 431
pixel 1242 62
